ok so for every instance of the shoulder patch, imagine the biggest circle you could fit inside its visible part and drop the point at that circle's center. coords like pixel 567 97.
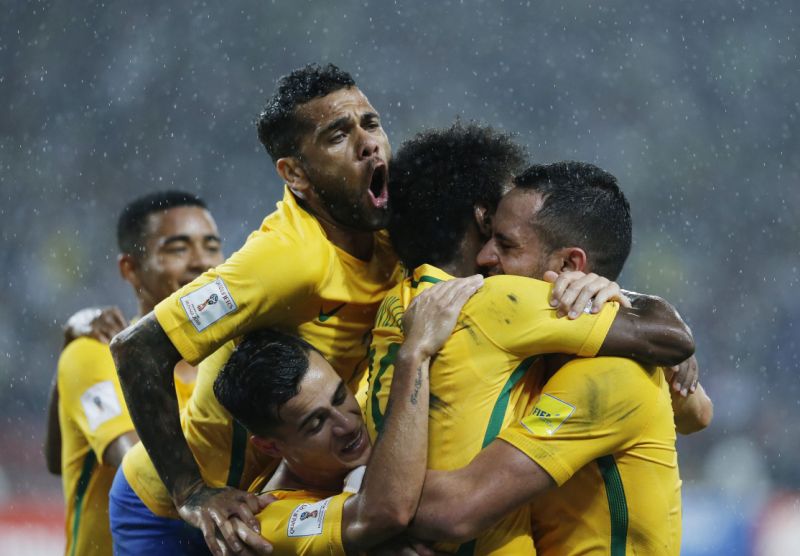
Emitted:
pixel 207 304
pixel 548 415
pixel 307 520
pixel 100 403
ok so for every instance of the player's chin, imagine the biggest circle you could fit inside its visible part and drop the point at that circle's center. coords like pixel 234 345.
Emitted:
pixel 375 218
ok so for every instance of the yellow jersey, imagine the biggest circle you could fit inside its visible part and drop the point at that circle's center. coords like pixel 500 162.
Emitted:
pixel 304 522
pixel 287 276
pixel 91 414
pixel 473 378
pixel 603 430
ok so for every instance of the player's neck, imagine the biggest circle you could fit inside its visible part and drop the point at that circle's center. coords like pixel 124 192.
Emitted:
pixel 285 477
pixel 358 244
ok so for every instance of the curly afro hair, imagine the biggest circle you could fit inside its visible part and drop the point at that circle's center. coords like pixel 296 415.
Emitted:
pixel 279 128
pixel 436 180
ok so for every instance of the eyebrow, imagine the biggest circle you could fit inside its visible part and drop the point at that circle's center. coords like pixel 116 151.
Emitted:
pixel 338 123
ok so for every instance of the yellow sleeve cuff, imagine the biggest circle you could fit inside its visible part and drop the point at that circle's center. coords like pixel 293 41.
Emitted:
pixel 599 330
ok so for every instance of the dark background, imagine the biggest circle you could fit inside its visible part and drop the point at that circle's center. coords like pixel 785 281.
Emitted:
pixel 694 106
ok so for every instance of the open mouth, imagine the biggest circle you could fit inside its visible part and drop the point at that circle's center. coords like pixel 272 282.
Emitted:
pixel 354 447
pixel 378 186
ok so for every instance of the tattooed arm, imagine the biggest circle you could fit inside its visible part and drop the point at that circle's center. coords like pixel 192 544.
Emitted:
pixel 145 360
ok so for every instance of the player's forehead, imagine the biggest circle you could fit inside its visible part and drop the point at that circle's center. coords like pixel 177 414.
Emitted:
pixel 346 102
pixel 317 389
pixel 517 209
pixel 181 221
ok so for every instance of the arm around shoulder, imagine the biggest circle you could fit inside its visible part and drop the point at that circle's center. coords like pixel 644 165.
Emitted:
pixel 651 331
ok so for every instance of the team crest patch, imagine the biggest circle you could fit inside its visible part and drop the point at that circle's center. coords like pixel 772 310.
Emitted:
pixel 208 304
pixel 307 519
pixel 548 415
pixel 100 404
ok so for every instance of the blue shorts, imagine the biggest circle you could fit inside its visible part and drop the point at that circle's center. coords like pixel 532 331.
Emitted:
pixel 135 530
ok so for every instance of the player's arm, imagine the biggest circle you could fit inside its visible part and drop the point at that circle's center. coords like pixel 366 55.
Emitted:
pixel 692 407
pixel 52 436
pixel 393 481
pixel 145 359
pixel 115 451
pixel 646 327
pixel 98 323
pixel 499 480
pixel 650 331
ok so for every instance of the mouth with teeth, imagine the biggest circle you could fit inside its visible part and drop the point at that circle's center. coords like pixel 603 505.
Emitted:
pixel 355 447
pixel 378 186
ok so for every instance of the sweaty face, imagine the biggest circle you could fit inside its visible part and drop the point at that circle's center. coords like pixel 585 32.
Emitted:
pixel 345 158
pixel 322 430
pixel 515 247
pixel 180 244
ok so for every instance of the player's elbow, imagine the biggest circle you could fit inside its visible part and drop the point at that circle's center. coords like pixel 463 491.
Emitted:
pixel 390 520
pixel 675 346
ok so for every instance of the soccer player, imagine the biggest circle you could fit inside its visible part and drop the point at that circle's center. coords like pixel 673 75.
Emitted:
pixel 318 267
pixel 440 180
pixel 602 428
pixel 166 240
pixel 298 409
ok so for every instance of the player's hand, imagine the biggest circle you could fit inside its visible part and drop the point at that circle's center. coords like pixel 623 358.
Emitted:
pixel 211 510
pixel 100 323
pixel 684 377
pixel 574 290
pixel 254 544
pixel 430 318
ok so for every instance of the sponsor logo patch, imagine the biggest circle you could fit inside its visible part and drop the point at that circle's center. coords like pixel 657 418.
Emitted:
pixel 100 403
pixel 548 415
pixel 208 304
pixel 307 519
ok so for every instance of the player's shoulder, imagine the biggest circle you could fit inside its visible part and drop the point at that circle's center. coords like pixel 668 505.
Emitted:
pixel 83 350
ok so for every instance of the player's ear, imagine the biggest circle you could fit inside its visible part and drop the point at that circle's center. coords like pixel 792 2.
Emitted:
pixel 267 445
pixel 483 218
pixel 572 258
pixel 292 173
pixel 128 266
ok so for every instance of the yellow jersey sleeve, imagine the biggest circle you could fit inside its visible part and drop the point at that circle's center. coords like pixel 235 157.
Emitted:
pixel 300 523
pixel 515 313
pixel 258 286
pixel 588 409
pixel 90 394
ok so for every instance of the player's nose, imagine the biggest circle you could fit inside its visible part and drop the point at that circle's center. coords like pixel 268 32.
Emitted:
pixel 487 256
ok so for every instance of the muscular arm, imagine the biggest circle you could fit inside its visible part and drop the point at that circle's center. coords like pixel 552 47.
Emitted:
pixel 52 436
pixel 145 360
pixel 396 471
pixel 651 331
pixel 515 480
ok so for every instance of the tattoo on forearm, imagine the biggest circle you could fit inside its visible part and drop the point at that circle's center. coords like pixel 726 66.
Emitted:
pixel 417 386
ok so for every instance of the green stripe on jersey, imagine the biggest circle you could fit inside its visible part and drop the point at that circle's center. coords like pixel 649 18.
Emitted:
pixel 501 405
pixel 80 494
pixel 238 453
pixel 426 278
pixel 617 505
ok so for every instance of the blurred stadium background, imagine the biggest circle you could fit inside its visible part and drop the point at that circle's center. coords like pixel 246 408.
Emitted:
pixel 694 106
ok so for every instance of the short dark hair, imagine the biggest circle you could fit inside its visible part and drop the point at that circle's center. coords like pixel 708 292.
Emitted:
pixel 279 128
pixel 262 374
pixel 436 180
pixel 583 207
pixel 132 223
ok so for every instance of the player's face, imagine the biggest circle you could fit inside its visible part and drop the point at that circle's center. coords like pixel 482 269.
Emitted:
pixel 345 157
pixel 515 246
pixel 322 430
pixel 181 243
